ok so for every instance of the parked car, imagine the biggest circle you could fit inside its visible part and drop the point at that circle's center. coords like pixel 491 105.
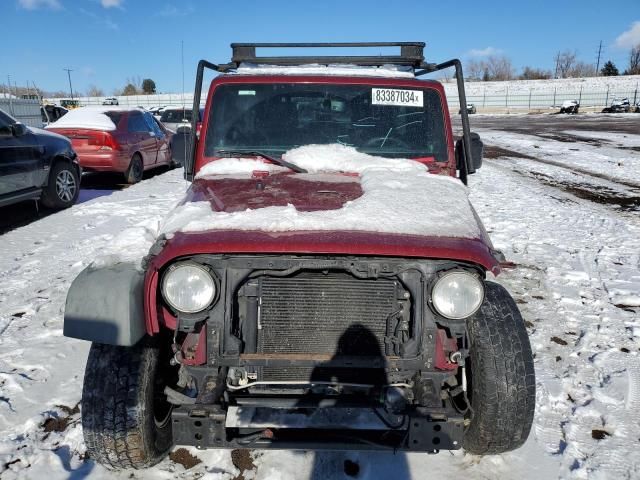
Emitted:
pixel 52 113
pixel 70 104
pixel 36 164
pixel 301 298
pixel 116 139
pixel 174 117
pixel 471 108
pixel 618 105
pixel 569 106
pixel 110 101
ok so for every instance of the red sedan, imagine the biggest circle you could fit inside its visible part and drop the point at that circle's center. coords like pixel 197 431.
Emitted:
pixel 116 139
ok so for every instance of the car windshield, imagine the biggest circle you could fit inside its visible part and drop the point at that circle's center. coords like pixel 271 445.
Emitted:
pixel 385 121
pixel 175 116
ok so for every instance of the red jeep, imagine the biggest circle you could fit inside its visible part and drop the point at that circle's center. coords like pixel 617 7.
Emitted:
pixel 323 283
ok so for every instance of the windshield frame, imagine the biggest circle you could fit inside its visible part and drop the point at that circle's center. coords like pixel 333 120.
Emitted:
pixel 383 82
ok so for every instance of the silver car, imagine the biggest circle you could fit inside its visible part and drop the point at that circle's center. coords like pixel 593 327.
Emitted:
pixel 172 118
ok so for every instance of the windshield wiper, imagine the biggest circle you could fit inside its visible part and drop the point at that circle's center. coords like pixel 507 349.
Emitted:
pixel 266 156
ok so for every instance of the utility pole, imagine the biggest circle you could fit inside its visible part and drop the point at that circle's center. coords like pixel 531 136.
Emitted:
pixel 557 64
pixel 69 75
pixel 598 61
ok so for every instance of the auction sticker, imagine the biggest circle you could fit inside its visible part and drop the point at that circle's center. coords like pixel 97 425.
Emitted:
pixel 395 97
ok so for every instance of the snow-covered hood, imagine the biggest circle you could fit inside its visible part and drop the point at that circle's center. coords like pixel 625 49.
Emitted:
pixel 345 193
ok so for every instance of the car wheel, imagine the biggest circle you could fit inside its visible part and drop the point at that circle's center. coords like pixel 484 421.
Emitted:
pixel 63 188
pixel 136 169
pixel 501 377
pixel 126 419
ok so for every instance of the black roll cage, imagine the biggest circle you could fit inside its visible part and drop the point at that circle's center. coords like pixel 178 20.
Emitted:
pixel 411 55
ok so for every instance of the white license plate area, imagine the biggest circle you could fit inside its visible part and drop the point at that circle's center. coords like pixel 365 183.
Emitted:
pixel 397 97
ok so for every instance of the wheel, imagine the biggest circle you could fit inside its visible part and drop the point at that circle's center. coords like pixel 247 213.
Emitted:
pixel 502 388
pixel 126 419
pixel 63 188
pixel 136 169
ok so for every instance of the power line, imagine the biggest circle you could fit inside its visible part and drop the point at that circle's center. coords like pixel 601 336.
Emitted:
pixel 598 62
pixel 69 75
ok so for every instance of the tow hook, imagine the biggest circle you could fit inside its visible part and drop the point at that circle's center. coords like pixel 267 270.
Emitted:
pixel 459 358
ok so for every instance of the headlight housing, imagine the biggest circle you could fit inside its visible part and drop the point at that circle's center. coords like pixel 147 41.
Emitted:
pixel 188 287
pixel 457 294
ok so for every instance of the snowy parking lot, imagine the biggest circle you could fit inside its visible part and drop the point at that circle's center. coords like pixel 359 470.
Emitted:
pixel 559 195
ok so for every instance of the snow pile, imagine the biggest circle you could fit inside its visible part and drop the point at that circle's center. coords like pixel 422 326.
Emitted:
pixel 230 166
pixel 93 118
pixel 399 196
pixel 388 71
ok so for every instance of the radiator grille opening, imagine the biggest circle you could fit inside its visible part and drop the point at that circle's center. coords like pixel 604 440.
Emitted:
pixel 333 313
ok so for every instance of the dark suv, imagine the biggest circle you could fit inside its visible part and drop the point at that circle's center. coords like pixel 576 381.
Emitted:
pixel 36 164
pixel 322 285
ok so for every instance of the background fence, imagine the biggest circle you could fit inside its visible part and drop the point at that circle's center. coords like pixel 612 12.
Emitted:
pixel 25 111
pixel 492 96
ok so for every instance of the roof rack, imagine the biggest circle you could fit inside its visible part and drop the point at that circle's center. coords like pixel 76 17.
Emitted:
pixel 411 54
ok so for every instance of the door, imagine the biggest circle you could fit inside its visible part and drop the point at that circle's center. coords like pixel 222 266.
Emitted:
pixel 143 137
pixel 21 158
pixel 163 155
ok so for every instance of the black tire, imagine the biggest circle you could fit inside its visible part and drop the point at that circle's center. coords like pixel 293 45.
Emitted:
pixel 63 187
pixel 502 388
pixel 136 169
pixel 121 400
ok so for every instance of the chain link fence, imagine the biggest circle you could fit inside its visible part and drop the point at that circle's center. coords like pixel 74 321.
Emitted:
pixel 488 100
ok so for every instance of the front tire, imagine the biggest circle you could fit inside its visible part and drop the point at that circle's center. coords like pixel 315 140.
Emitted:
pixel 502 378
pixel 126 420
pixel 63 188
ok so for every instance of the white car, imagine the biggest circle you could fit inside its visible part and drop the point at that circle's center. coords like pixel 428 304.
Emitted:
pixel 110 101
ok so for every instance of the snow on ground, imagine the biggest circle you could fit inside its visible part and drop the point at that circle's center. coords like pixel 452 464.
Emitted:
pixel 574 260
pixel 602 159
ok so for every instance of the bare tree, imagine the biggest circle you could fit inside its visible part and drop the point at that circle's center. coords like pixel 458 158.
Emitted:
pixel 634 61
pixel 493 68
pixel 94 91
pixel 564 63
pixel 499 67
pixel 582 69
pixel 530 73
pixel 474 70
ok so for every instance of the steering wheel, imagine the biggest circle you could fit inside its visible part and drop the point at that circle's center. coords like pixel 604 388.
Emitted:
pixel 379 142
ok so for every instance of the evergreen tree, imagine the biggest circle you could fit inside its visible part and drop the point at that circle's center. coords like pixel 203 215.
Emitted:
pixel 148 86
pixel 609 70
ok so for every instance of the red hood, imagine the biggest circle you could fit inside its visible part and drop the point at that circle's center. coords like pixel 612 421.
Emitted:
pixel 306 192
pixel 309 192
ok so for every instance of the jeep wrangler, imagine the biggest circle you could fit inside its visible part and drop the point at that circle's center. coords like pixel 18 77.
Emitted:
pixel 376 331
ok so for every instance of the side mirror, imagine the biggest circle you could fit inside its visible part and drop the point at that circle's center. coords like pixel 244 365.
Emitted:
pixel 19 129
pixel 477 150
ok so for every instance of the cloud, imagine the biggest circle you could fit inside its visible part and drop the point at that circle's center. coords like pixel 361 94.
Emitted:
pixel 35 4
pixel 107 22
pixel 484 52
pixel 629 38
pixel 112 3
pixel 173 11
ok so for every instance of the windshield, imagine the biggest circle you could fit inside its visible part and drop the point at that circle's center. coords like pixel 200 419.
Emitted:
pixel 384 121
pixel 175 116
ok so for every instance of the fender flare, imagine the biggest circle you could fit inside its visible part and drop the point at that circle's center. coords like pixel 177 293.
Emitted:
pixel 106 305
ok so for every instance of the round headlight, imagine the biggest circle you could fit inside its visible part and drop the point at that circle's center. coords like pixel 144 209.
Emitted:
pixel 188 287
pixel 457 295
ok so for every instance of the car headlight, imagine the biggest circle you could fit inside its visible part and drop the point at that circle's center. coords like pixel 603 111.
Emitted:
pixel 457 295
pixel 188 287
